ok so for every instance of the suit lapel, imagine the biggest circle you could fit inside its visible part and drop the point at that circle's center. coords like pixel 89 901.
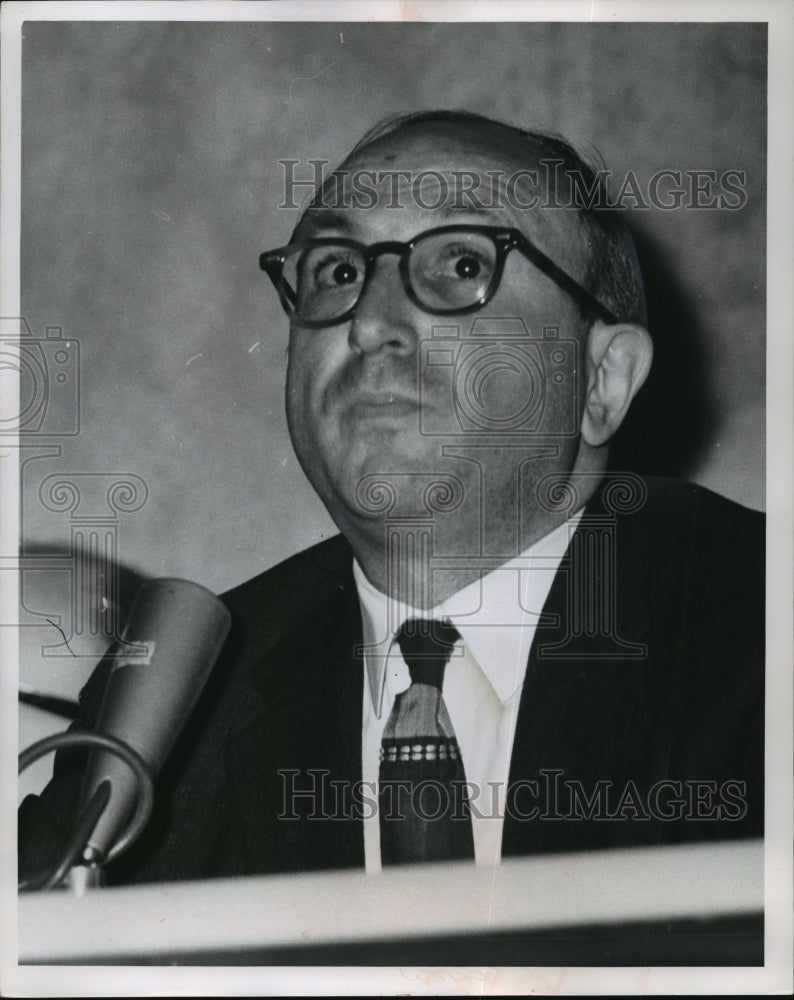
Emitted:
pixel 296 757
pixel 584 697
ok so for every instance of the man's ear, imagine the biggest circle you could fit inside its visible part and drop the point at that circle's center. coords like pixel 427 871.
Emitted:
pixel 618 361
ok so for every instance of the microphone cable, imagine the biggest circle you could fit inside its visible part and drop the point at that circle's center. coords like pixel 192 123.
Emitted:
pixel 95 806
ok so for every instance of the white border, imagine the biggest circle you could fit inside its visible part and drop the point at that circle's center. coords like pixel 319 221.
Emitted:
pixel 776 977
pixel 395 10
pixel 10 208
pixel 779 874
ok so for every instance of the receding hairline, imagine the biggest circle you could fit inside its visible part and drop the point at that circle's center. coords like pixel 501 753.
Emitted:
pixel 614 270
pixel 614 274
pixel 492 139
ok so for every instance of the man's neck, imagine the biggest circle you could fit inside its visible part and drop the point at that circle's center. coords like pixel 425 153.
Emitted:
pixel 422 560
pixel 415 565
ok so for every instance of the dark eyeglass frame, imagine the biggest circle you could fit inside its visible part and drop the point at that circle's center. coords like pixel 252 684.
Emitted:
pixel 505 240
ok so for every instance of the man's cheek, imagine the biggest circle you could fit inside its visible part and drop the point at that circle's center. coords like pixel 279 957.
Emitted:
pixel 299 412
pixel 562 413
pixel 302 374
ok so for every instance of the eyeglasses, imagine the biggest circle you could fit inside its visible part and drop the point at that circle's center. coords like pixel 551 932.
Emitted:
pixel 448 271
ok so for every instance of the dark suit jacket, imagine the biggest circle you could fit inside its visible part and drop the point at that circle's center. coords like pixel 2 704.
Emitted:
pixel 282 712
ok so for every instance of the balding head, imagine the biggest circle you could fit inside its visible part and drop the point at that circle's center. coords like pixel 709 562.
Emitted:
pixel 548 174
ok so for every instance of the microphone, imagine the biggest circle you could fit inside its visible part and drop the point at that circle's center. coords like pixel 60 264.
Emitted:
pixel 169 646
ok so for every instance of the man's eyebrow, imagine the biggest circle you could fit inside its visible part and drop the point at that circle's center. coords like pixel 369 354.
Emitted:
pixel 318 219
pixel 452 210
pixel 326 218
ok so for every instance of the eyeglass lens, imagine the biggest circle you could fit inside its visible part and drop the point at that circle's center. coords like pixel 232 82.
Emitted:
pixel 446 271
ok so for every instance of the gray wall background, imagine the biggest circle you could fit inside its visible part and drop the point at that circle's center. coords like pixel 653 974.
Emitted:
pixel 151 180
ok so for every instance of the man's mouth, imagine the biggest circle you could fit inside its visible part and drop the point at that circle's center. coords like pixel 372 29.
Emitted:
pixel 384 403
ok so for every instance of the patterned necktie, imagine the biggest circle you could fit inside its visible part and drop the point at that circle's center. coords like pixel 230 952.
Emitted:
pixel 423 805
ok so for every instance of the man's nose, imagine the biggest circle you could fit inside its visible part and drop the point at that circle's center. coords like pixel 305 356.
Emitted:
pixel 385 318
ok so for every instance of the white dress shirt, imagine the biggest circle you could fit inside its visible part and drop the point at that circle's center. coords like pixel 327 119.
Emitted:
pixel 496 618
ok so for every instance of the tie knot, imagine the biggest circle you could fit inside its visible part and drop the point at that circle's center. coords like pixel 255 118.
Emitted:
pixel 426 646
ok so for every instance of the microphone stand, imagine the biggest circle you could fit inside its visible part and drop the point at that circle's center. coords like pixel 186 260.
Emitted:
pixel 79 865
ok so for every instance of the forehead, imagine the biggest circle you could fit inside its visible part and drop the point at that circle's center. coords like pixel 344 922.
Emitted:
pixel 422 176
pixel 448 141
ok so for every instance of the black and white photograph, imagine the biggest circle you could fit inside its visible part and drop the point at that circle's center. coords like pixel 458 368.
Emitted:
pixel 397 490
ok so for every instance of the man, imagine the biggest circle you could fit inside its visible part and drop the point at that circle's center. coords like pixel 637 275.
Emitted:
pixel 527 651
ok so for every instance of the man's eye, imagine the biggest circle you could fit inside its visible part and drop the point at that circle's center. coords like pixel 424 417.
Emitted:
pixel 467 266
pixel 461 262
pixel 335 271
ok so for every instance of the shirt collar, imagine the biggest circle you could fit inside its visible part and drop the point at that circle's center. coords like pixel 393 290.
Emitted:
pixel 496 616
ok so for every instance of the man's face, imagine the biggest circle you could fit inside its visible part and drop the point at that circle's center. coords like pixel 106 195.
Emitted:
pixel 387 390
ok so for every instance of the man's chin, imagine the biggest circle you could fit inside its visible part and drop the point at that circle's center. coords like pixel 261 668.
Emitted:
pixel 392 481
